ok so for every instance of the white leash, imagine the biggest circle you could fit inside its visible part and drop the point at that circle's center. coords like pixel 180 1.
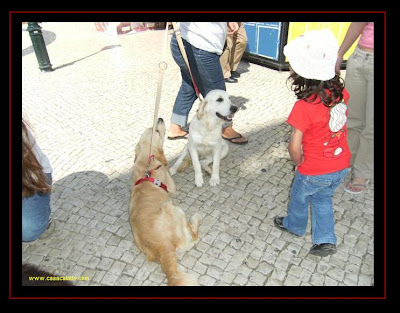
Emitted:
pixel 162 66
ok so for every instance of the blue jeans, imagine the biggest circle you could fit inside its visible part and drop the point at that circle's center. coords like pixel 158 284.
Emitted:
pixel 207 73
pixel 317 190
pixel 35 215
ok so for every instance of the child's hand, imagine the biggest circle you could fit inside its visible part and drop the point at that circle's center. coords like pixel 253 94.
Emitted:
pixel 295 147
pixel 301 162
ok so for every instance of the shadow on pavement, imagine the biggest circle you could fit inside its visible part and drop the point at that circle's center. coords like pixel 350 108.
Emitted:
pixel 90 55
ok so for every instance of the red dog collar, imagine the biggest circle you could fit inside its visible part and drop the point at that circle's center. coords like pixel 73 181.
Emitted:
pixel 155 181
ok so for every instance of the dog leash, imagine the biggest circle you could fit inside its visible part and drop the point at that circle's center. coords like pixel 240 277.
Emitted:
pixel 162 65
pixel 184 55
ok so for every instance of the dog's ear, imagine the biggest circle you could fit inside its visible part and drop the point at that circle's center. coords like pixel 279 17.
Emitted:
pixel 136 152
pixel 201 111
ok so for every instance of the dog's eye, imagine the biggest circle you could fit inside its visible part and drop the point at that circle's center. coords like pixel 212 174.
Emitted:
pixel 220 99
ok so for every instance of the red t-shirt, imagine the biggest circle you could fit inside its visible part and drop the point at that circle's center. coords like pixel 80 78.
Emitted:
pixel 324 131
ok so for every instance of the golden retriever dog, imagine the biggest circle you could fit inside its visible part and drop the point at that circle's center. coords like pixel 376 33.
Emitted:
pixel 159 227
pixel 205 144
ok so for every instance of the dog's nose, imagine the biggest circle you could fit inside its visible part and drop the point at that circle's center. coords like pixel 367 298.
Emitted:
pixel 234 109
pixel 160 120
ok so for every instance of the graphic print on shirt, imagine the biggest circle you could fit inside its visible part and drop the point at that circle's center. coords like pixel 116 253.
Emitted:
pixel 337 120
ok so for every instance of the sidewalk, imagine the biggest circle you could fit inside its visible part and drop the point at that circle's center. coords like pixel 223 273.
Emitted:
pixel 88 115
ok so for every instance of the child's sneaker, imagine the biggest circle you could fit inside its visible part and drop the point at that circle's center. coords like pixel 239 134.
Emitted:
pixel 278 221
pixel 323 249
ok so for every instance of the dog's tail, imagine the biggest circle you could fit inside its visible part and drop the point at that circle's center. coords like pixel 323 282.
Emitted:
pixel 175 277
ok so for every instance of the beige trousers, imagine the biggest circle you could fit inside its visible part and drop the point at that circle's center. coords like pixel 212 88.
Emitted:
pixel 360 123
pixel 233 52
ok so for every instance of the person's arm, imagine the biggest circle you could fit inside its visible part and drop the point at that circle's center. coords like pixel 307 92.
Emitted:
pixel 233 27
pixel 295 147
pixel 354 31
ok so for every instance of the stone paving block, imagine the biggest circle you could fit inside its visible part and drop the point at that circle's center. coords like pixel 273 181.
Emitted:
pixel 292 281
pixel 206 280
pixel 109 279
pixel 336 274
pixel 117 268
pixel 330 282
pixel 305 276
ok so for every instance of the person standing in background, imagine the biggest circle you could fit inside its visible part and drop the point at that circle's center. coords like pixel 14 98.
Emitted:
pixel 204 43
pixel 36 188
pixel 360 85
pixel 234 49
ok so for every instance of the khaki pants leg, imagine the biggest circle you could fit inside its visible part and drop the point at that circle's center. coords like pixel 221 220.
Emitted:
pixel 234 50
pixel 360 85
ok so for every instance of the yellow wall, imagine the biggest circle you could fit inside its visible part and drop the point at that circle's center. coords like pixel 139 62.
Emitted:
pixel 339 29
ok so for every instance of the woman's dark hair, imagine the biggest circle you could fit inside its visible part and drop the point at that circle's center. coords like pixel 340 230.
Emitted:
pixel 330 91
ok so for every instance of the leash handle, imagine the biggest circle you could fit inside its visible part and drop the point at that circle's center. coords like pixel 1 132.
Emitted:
pixel 184 55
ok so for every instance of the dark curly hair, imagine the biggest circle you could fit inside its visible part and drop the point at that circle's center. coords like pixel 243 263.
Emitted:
pixel 329 91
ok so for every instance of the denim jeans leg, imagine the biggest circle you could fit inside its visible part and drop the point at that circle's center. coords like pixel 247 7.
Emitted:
pixel 207 74
pixel 206 69
pixel 323 220
pixel 297 218
pixel 186 94
pixel 35 215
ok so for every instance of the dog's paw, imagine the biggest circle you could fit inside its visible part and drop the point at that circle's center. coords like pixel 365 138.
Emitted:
pixel 172 170
pixel 199 181
pixel 214 181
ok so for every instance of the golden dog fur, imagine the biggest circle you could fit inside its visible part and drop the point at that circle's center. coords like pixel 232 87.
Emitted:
pixel 159 227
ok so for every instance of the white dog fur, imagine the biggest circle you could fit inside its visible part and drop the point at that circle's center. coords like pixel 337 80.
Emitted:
pixel 205 144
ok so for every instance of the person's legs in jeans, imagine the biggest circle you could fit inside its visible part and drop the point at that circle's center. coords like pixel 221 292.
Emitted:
pixel 206 69
pixel 322 217
pixel 207 74
pixel 186 94
pixel 297 218
pixel 317 190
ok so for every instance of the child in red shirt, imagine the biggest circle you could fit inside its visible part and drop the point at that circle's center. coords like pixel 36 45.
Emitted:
pixel 318 143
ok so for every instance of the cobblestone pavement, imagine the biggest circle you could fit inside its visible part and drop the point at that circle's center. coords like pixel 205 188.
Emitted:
pixel 87 116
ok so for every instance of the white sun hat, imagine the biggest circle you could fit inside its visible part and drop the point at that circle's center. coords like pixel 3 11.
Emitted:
pixel 313 55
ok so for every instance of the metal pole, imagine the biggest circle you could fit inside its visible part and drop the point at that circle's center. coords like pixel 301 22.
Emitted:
pixel 39 46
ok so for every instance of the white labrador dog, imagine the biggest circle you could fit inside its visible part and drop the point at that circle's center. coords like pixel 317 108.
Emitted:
pixel 205 144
